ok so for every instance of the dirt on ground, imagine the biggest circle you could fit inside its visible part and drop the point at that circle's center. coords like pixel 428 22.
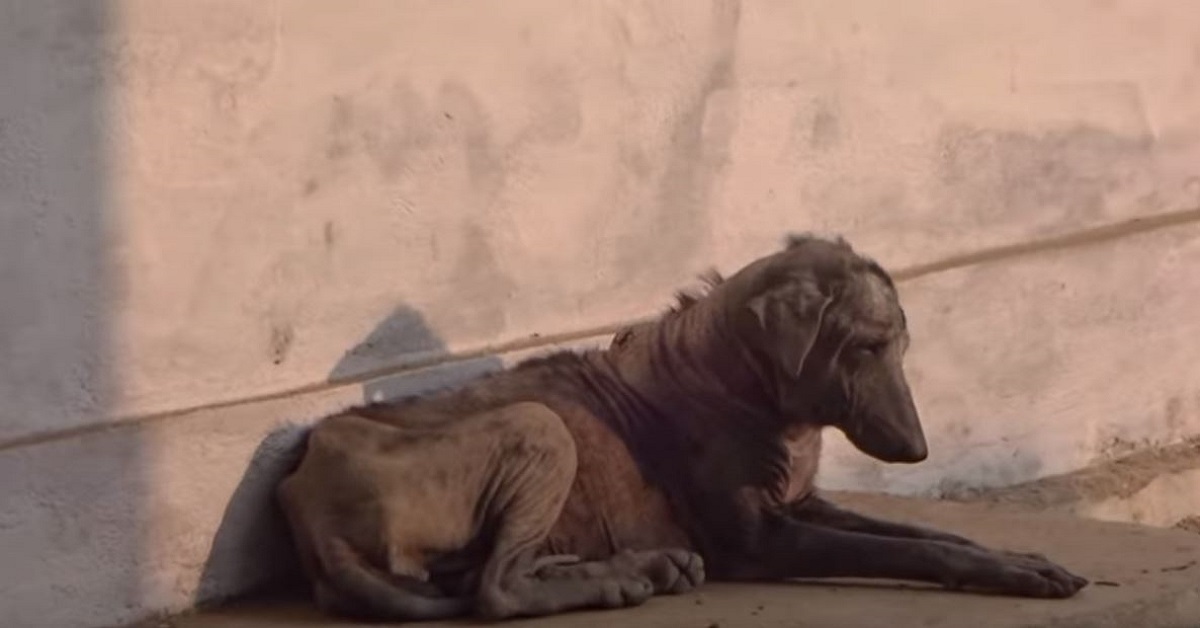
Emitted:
pixel 1120 478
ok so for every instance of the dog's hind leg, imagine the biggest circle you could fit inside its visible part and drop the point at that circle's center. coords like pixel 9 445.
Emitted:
pixel 352 587
pixel 532 483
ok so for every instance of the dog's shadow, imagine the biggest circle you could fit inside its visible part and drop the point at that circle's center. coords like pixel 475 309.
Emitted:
pixel 252 552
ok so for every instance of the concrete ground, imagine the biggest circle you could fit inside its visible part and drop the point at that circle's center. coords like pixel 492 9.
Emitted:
pixel 1141 576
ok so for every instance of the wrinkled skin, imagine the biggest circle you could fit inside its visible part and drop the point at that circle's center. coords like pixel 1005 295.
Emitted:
pixel 686 450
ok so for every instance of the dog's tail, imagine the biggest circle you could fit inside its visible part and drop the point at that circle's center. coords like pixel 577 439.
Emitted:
pixel 352 587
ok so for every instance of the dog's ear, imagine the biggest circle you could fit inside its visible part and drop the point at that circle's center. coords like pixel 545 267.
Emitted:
pixel 797 241
pixel 791 316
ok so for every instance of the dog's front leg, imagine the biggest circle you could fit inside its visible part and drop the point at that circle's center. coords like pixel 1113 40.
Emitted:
pixel 819 511
pixel 786 548
pixel 816 510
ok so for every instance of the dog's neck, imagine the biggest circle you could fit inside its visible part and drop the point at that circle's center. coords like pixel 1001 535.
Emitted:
pixel 689 363
pixel 693 403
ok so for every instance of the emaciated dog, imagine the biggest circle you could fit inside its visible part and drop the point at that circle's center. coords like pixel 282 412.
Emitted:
pixel 599 479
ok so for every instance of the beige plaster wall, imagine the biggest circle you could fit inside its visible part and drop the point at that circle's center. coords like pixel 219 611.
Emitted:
pixel 211 202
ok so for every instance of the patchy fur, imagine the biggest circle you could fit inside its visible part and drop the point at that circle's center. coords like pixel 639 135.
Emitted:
pixel 685 299
pixel 685 450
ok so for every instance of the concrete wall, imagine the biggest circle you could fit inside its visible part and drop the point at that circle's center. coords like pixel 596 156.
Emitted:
pixel 218 217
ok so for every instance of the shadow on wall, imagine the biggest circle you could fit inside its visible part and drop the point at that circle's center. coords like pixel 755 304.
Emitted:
pixel 73 512
pixel 404 333
pixel 252 551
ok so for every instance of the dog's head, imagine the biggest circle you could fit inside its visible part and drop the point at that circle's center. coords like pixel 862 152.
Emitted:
pixel 827 329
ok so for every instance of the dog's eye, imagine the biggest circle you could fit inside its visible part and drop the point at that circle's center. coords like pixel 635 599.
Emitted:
pixel 872 348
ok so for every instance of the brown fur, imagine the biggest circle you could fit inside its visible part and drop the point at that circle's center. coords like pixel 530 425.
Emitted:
pixel 601 478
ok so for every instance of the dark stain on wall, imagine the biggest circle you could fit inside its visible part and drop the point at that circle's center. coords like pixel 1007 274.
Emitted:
pixel 479 286
pixel 471 127
pixel 1066 173
pixel 311 186
pixel 341 121
pixel 390 135
pixel 677 222
pixel 280 342
pixel 391 126
pixel 329 235
pixel 825 129
pixel 481 289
